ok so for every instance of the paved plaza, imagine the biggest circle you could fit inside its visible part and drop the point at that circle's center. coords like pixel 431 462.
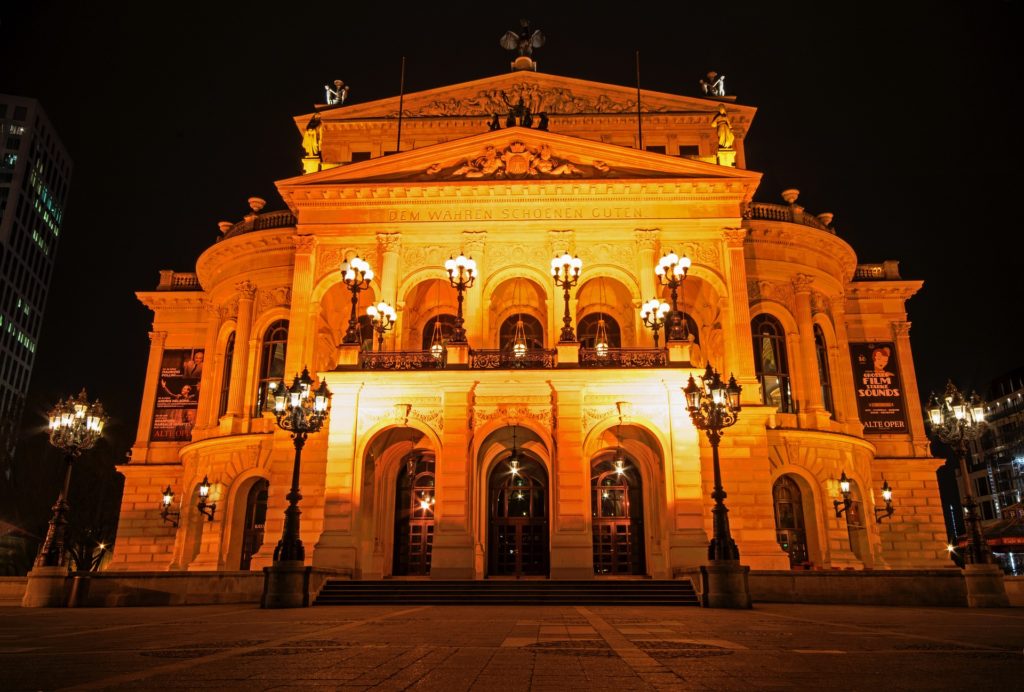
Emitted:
pixel 511 648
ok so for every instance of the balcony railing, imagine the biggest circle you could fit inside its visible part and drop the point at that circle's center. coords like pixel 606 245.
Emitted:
pixel 171 280
pixel 260 222
pixel 624 358
pixel 785 212
pixel 495 359
pixel 402 360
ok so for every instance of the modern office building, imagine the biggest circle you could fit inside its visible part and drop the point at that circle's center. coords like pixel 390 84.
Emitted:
pixel 35 171
pixel 553 440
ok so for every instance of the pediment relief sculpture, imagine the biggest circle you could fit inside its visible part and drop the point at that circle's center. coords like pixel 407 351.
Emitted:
pixel 517 160
pixel 536 98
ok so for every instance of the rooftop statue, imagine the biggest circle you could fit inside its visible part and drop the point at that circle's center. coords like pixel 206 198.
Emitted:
pixel 724 128
pixel 714 85
pixel 312 137
pixel 336 96
pixel 525 41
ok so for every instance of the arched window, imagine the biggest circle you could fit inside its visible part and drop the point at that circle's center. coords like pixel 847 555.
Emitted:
pixel 824 376
pixel 447 323
pixel 789 521
pixel 531 327
pixel 225 378
pixel 771 362
pixel 275 343
pixel 586 331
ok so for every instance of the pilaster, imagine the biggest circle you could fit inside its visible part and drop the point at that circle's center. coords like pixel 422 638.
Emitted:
pixel 156 355
pixel 812 405
pixel 453 554
pixel 207 396
pixel 474 244
pixel 571 537
pixel 301 326
pixel 739 352
pixel 240 361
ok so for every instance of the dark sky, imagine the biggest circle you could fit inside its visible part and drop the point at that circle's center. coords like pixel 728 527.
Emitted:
pixel 895 116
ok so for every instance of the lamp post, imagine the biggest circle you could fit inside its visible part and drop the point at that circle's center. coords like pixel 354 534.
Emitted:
pixel 300 410
pixel 75 426
pixel 357 275
pixel 461 275
pixel 566 272
pixel 956 421
pixel 383 317
pixel 653 314
pixel 671 271
pixel 713 406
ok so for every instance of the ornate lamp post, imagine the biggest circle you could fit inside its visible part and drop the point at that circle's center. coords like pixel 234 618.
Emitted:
pixel 461 275
pixel 653 314
pixel 300 410
pixel 566 272
pixel 75 426
pixel 714 406
pixel 956 421
pixel 383 317
pixel 671 271
pixel 357 275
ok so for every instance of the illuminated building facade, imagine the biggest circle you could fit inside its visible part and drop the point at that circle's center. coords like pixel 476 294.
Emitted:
pixel 521 452
pixel 35 170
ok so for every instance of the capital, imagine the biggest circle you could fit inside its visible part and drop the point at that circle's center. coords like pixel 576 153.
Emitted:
pixel 647 238
pixel 212 309
pixel 900 329
pixel 304 243
pixel 562 241
pixel 158 338
pixel 734 237
pixel 473 242
pixel 802 283
pixel 246 289
pixel 389 242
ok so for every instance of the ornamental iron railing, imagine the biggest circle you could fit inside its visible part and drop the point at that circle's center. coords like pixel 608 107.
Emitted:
pixel 495 359
pixel 624 358
pixel 402 360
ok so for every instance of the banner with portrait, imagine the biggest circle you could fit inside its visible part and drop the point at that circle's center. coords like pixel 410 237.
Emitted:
pixel 177 395
pixel 879 388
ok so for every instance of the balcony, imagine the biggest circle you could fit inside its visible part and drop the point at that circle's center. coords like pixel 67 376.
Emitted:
pixel 171 280
pixel 258 222
pixel 534 359
pixel 790 212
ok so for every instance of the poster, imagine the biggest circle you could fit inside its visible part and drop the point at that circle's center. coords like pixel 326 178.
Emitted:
pixel 177 395
pixel 879 388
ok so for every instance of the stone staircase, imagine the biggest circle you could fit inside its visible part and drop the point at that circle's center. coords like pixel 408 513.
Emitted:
pixel 639 592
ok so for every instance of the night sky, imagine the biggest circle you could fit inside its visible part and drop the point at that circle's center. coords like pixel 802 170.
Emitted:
pixel 896 117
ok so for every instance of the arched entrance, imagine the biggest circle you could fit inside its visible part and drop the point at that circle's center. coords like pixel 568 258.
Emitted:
pixel 414 516
pixel 790 529
pixel 518 519
pixel 616 501
pixel 255 521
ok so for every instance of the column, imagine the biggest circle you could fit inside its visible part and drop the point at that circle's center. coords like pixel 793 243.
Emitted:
pixel 811 398
pixel 301 329
pixel 646 245
pixel 739 349
pixel 240 361
pixel 453 555
pixel 911 396
pixel 389 249
pixel 156 356
pixel 206 411
pixel 474 244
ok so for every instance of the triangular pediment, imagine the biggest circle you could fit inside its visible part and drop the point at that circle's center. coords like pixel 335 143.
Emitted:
pixel 518 154
pixel 541 93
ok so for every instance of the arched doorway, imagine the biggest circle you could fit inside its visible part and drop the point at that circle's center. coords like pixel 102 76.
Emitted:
pixel 255 521
pixel 414 516
pixel 518 519
pixel 790 529
pixel 616 501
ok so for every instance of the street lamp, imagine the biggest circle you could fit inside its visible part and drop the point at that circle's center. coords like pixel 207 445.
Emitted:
pixel 714 406
pixel 887 512
pixel 566 272
pixel 461 275
pixel 847 501
pixel 205 508
pixel 357 275
pixel 653 314
pixel 956 421
pixel 300 410
pixel 671 271
pixel 75 426
pixel 165 508
pixel 383 318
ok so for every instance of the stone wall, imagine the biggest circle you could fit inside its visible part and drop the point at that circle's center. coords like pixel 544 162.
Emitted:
pixel 940 587
pixel 11 590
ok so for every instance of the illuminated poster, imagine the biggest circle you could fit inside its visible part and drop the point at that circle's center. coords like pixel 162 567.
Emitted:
pixel 876 376
pixel 177 395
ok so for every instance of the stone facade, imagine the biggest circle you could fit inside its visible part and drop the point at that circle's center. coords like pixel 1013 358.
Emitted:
pixel 513 198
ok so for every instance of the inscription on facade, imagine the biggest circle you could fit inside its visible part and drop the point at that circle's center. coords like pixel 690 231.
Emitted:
pixel 515 213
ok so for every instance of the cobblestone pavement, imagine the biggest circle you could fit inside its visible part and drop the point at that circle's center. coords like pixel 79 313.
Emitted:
pixel 511 648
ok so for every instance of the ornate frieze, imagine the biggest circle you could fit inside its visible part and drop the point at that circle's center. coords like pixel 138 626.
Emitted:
pixel 273 297
pixel 425 255
pixel 759 289
pixel 516 161
pixel 424 409
pixel 542 415
pixel 330 257
pixel 536 98
pixel 503 254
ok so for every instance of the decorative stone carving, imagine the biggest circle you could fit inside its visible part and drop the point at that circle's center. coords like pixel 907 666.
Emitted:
pixel 389 242
pixel 158 338
pixel 759 289
pixel 473 242
pixel 517 160
pixel 330 257
pixel 425 255
pixel 304 243
pixel 503 254
pixel 647 238
pixel 734 237
pixel 480 415
pixel 900 329
pixel 802 283
pixel 273 297
pixel 536 98
pixel 704 254
pixel 820 303
pixel 246 289
pixel 425 410
pixel 562 241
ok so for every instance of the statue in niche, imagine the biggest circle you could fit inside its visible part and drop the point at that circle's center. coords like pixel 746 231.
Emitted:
pixel 714 85
pixel 312 138
pixel 525 41
pixel 337 95
pixel 724 128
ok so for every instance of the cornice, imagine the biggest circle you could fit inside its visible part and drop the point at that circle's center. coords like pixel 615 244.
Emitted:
pixel 215 256
pixel 791 235
pixel 883 289
pixel 173 300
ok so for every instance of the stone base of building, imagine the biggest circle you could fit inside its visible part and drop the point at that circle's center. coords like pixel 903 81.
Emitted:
pixel 721 584
pixel 46 588
pixel 286 585
pixel 985 587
